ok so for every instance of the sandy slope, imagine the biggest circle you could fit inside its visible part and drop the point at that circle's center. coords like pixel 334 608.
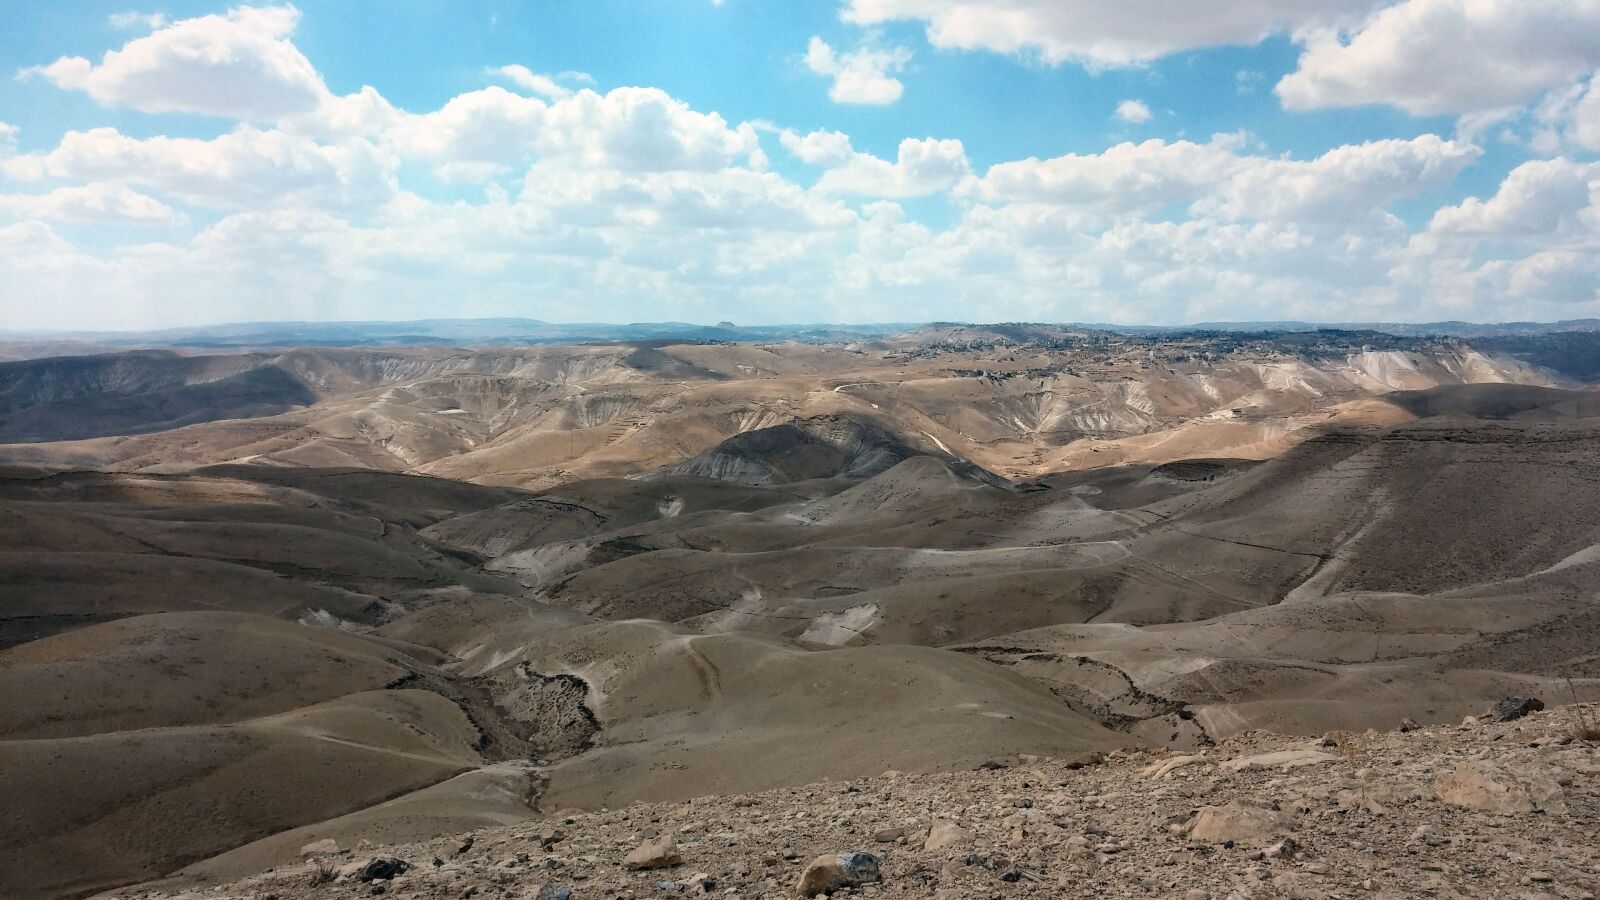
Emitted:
pixel 91 812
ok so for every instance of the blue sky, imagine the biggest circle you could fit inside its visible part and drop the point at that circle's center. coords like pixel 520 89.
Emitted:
pixel 744 160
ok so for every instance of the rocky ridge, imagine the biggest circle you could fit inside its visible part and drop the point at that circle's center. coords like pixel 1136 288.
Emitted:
pixel 1482 809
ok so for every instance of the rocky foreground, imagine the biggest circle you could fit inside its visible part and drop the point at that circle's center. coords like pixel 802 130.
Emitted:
pixel 1483 809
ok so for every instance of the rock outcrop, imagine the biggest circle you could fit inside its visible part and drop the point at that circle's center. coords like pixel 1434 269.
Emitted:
pixel 1496 789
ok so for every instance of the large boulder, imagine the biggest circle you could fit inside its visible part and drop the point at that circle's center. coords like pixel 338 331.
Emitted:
pixel 1509 709
pixel 660 853
pixel 382 869
pixel 835 871
pixel 1238 823
pixel 1491 788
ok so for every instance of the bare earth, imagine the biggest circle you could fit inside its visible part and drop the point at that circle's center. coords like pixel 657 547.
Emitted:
pixel 1352 815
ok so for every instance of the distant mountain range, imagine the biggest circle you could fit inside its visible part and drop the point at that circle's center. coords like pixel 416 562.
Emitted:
pixel 534 331
pixel 1440 329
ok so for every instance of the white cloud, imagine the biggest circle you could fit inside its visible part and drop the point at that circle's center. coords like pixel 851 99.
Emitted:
pixel 631 128
pixel 1537 199
pixel 8 139
pixel 1345 182
pixel 363 114
pixel 529 80
pixel 1557 276
pixel 1099 33
pixel 1127 177
pixel 1134 112
pixel 131 19
pixel 32 241
pixel 633 204
pixel 1586 117
pixel 921 168
pixel 1535 244
pixel 239 65
pixel 819 148
pixel 1429 57
pixel 662 204
pixel 861 76
pixel 1218 179
pixel 1432 57
pixel 102 202
pixel 244 168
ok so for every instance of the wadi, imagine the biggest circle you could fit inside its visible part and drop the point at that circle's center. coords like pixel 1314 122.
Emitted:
pixel 292 608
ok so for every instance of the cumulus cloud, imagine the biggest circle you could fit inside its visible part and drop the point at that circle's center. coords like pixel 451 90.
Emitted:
pixel 819 148
pixel 1124 178
pixel 1134 112
pixel 1536 241
pixel 1483 59
pixel 1585 122
pixel 240 64
pixel 244 168
pixel 529 80
pixel 922 167
pixel 634 203
pixel 632 128
pixel 1557 276
pixel 1537 199
pixel 103 202
pixel 662 204
pixel 1432 57
pixel 1220 179
pixel 860 76
pixel 1099 33
pixel 1345 182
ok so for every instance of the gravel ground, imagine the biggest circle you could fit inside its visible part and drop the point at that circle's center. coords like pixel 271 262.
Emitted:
pixel 1499 810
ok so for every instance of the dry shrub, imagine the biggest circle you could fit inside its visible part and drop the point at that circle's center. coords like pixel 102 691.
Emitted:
pixel 1583 728
pixel 324 872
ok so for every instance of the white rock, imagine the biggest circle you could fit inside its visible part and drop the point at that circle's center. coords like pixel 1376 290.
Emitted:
pixel 1166 767
pixel 1280 759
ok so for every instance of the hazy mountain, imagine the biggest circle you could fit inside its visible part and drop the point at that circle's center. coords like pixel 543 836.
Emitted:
pixel 479 332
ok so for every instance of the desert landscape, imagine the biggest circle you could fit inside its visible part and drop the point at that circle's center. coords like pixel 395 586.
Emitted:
pixel 867 449
pixel 275 607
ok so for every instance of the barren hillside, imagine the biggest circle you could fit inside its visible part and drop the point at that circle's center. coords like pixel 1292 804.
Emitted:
pixel 1478 810
pixel 423 591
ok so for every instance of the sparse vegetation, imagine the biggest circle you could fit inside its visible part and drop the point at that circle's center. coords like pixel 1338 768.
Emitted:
pixel 322 872
pixel 1583 727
